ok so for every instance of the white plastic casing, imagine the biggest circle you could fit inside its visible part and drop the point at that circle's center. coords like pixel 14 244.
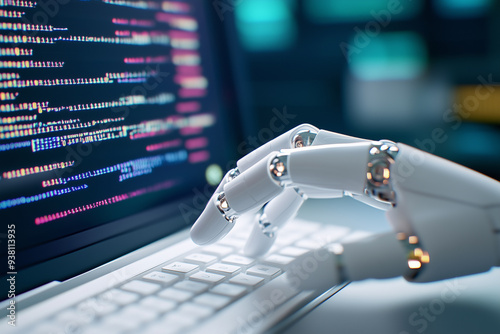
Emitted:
pixel 284 141
pixel 337 166
pixel 284 207
pixel 327 137
pixel 425 173
pixel 378 256
pixel 211 226
pixel 495 217
pixel 278 211
pixel 252 188
pixel 258 243
pixel 445 205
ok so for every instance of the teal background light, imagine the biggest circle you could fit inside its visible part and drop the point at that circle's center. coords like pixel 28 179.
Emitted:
pixel 318 56
pixel 265 25
pixel 333 11
pixel 462 8
pixel 390 56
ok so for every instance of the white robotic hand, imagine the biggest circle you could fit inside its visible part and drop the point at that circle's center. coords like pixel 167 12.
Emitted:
pixel 446 218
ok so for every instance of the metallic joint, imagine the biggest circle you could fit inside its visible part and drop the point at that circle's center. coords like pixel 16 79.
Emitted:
pixel 266 226
pixel 232 174
pixel 304 138
pixel 279 169
pixel 300 193
pixel 382 155
pixel 416 256
pixel 224 208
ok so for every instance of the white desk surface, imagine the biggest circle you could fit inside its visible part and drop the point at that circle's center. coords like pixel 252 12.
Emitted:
pixel 463 305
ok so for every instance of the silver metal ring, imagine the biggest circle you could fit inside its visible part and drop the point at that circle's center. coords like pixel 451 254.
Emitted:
pixel 278 168
pixel 266 226
pixel 303 138
pixel 382 155
pixel 224 208
pixel 232 174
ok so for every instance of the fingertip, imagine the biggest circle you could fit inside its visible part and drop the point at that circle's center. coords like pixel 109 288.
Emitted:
pixel 210 227
pixel 258 243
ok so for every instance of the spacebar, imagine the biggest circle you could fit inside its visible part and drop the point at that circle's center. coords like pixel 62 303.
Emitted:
pixel 256 311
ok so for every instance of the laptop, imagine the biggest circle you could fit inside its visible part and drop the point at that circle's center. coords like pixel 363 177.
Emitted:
pixel 118 118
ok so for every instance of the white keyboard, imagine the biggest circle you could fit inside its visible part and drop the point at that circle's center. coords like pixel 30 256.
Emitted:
pixel 190 289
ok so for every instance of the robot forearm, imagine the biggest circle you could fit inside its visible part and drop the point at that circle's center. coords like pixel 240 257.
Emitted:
pixel 445 216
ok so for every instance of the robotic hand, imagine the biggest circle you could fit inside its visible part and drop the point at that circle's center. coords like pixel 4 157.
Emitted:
pixel 446 218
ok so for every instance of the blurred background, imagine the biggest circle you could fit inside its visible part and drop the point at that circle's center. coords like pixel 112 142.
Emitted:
pixel 422 72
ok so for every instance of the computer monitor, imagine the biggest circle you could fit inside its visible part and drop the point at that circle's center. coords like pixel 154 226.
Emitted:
pixel 112 113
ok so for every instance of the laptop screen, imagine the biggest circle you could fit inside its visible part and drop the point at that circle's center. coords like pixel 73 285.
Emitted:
pixel 108 109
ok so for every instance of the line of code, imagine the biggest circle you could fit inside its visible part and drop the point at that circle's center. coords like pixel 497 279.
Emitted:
pixel 98 110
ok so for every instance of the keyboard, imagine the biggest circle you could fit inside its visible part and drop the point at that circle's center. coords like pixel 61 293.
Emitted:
pixel 192 288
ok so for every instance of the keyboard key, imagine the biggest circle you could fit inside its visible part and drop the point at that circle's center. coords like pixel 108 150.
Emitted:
pixel 181 319
pixel 218 250
pixel 164 328
pixel 76 317
pixel 195 310
pixel 159 277
pixel 275 248
pixel 247 280
pixel 180 268
pixel 305 227
pixel 98 307
pixel 293 251
pixel 229 290
pixel 158 304
pixel 207 277
pixel 175 294
pixel 280 260
pixel 310 244
pixel 196 287
pixel 144 288
pixel 49 327
pixel 141 313
pixel 286 238
pixel 99 329
pixel 120 297
pixel 330 234
pixel 212 300
pixel 199 258
pixel 264 271
pixel 121 321
pixel 223 269
pixel 68 326
pixel 238 260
